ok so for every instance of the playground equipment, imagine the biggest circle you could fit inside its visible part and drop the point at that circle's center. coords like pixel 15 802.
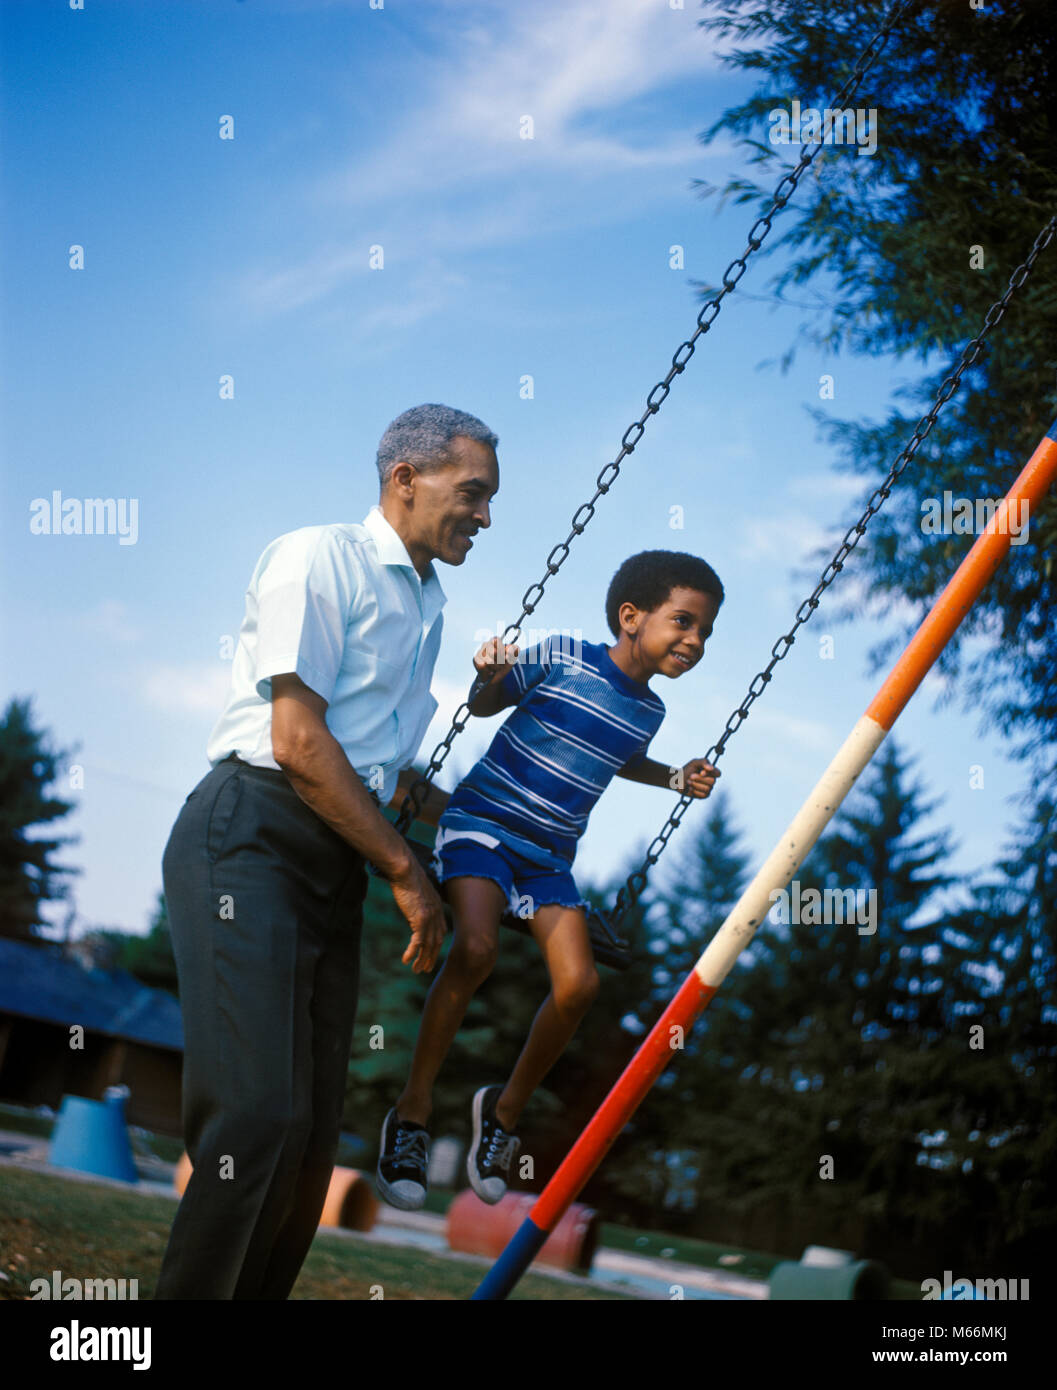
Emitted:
pixel 852 758
pixel 92 1136
pixel 608 946
pixel 785 859
pixel 350 1202
pixel 829 1274
pixel 475 1228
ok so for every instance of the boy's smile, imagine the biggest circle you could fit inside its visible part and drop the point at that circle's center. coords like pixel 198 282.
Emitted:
pixel 667 640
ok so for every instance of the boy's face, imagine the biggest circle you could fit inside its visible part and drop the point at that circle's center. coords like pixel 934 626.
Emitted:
pixel 670 639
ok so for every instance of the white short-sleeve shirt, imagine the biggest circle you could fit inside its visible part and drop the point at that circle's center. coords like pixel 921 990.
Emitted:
pixel 343 607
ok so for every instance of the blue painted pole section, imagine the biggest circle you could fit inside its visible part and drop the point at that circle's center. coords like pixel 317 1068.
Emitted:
pixel 526 1244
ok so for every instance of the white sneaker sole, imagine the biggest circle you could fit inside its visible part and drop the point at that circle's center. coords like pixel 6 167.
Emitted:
pixel 490 1190
pixel 404 1194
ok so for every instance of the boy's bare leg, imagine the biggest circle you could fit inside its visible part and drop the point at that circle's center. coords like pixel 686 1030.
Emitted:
pixel 561 933
pixel 477 905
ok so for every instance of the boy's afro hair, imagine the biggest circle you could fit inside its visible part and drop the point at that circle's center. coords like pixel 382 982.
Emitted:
pixel 648 578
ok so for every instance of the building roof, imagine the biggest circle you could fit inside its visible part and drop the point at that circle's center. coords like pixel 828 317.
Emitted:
pixel 39 982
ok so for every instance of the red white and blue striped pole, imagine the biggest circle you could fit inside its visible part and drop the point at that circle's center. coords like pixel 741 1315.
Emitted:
pixel 737 931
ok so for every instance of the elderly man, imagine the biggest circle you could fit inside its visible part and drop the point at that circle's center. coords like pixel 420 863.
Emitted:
pixel 264 872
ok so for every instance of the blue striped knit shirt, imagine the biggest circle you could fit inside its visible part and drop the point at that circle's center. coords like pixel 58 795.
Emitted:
pixel 579 720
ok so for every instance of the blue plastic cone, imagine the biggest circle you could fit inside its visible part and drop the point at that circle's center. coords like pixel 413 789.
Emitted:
pixel 92 1136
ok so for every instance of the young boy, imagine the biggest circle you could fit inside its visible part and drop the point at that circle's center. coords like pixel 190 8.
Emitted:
pixel 508 837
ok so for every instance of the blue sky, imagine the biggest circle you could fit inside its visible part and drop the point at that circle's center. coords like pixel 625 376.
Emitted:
pixel 503 257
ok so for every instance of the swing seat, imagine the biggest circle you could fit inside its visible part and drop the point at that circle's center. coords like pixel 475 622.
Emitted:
pixel 608 948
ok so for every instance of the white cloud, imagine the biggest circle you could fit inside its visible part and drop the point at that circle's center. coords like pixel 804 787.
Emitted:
pixel 113 772
pixel 790 730
pixel 827 487
pixel 200 688
pixel 314 278
pixel 111 619
pixel 454 175
pixel 559 63
pixel 788 539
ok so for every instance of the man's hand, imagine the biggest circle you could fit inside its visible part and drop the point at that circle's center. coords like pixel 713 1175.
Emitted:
pixel 699 778
pixel 417 900
pixel 488 661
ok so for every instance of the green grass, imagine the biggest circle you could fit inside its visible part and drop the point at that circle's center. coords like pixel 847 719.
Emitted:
pixel 752 1264
pixel 22 1121
pixel 91 1231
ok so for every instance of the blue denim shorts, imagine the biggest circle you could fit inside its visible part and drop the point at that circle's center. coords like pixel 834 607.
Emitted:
pixel 527 885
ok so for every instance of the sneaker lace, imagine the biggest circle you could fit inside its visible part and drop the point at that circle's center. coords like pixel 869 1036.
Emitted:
pixel 502 1149
pixel 411 1147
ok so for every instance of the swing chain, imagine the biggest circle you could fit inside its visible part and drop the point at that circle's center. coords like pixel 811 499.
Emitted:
pixel 634 432
pixel 636 882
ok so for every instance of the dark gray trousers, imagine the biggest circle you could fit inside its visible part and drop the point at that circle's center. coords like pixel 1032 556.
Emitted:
pixel 265 904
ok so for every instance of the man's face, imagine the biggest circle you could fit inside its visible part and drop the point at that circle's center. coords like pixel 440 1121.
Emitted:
pixel 451 504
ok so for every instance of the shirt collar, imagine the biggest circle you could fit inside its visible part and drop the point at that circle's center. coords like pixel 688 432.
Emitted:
pixel 392 551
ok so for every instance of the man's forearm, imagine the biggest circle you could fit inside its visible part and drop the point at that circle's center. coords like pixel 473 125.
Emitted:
pixel 326 782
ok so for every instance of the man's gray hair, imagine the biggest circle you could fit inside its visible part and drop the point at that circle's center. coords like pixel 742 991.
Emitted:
pixel 422 434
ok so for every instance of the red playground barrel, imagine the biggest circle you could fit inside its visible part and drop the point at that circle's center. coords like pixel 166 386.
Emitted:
pixel 475 1228
pixel 350 1201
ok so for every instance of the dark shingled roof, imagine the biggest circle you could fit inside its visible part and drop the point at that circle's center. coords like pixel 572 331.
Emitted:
pixel 38 982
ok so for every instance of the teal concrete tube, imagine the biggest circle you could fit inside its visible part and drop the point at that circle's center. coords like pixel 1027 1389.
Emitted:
pixel 862 1281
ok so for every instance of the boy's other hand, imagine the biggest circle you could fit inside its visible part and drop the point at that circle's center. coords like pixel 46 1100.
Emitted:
pixel 488 660
pixel 699 778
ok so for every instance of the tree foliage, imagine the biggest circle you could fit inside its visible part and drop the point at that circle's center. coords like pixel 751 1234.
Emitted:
pixel 965 159
pixel 879 1075
pixel 28 875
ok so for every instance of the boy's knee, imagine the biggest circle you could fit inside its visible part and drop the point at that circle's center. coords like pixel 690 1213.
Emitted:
pixel 577 993
pixel 475 956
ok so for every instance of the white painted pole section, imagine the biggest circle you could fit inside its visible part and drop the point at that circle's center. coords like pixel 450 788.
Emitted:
pixel 792 849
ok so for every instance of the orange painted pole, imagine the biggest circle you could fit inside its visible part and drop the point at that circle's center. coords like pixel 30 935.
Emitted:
pixel 792 849
pixel 971 577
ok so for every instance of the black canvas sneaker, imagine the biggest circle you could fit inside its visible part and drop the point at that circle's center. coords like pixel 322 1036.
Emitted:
pixel 493 1150
pixel 403 1163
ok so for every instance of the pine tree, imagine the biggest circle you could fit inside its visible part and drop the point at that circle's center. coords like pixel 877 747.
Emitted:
pixel 704 881
pixel 602 1047
pixel 28 877
pixel 1005 1141
pixel 822 1052
pixel 907 250
pixel 652 1168
pixel 150 958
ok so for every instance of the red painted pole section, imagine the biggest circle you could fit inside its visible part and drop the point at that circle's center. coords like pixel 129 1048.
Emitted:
pixel 622 1102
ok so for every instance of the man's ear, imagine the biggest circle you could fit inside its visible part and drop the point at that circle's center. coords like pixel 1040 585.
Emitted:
pixel 402 477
